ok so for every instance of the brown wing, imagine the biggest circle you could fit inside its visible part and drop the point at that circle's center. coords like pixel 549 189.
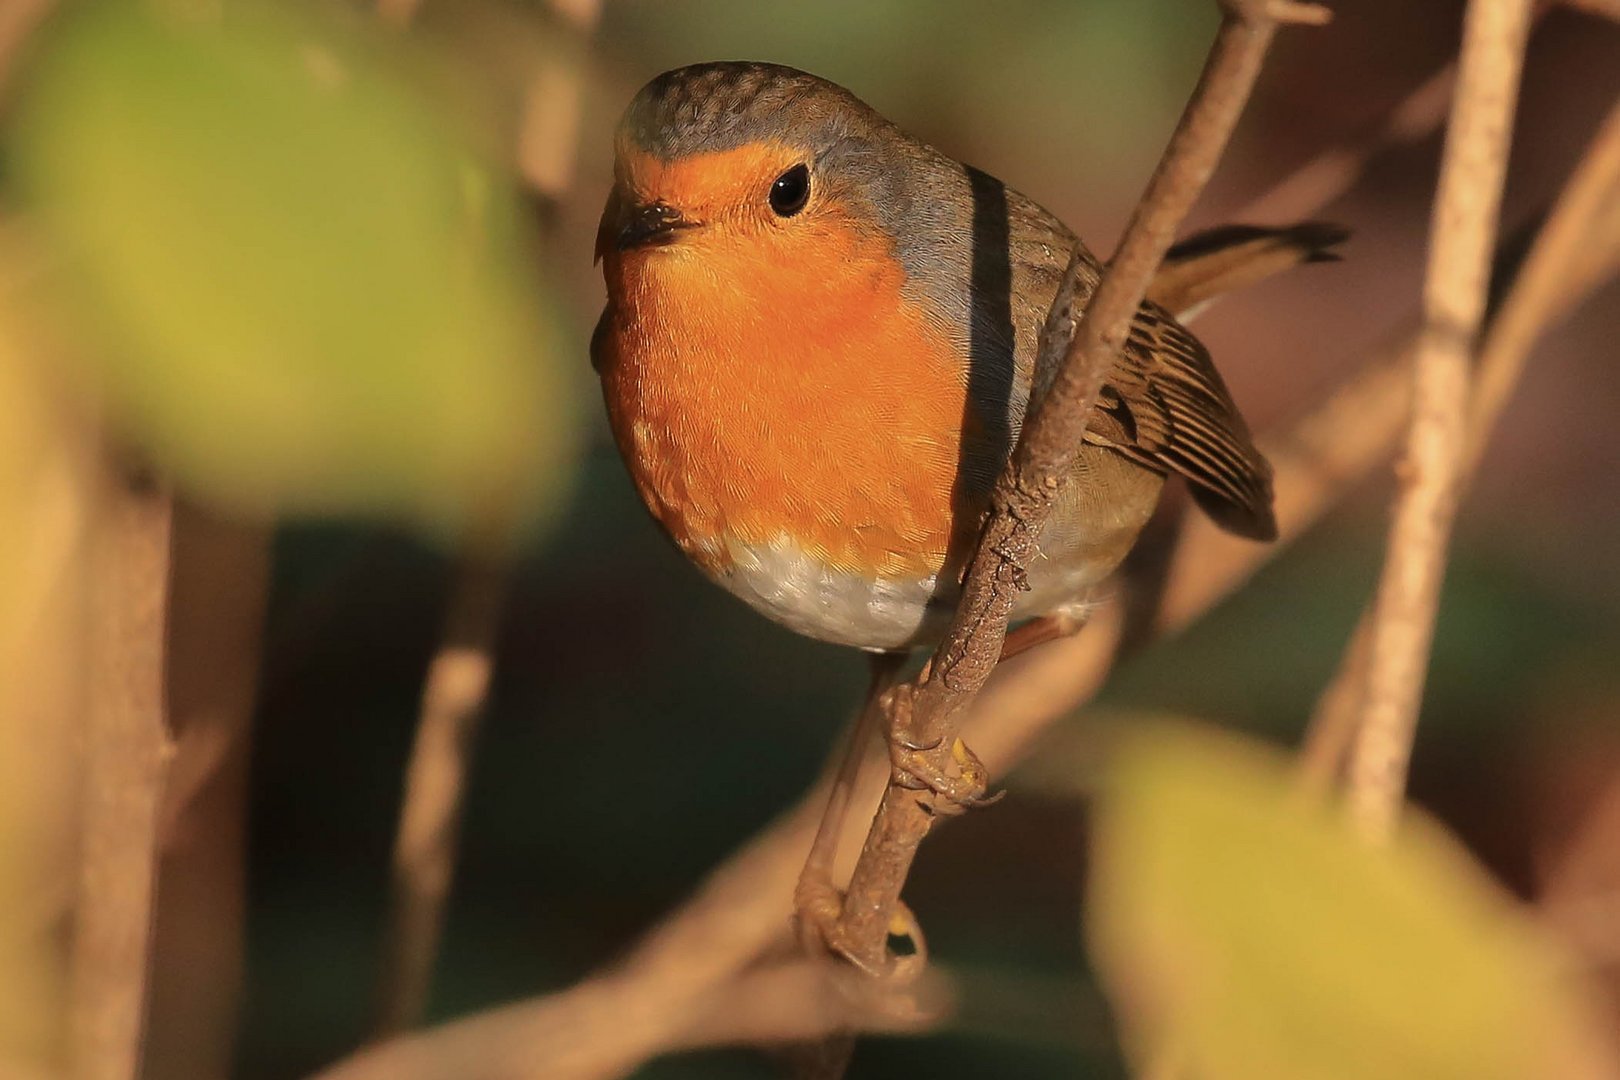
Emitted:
pixel 1164 405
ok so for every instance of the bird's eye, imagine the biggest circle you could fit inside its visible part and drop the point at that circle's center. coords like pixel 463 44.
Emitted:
pixel 791 191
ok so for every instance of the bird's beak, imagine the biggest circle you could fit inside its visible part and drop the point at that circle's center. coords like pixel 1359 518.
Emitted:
pixel 627 224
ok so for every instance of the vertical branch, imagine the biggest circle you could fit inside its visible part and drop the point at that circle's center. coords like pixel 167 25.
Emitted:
pixel 1462 236
pixel 456 688
pixel 1577 249
pixel 1075 357
pixel 549 135
pixel 126 749
pixel 220 585
pixel 430 819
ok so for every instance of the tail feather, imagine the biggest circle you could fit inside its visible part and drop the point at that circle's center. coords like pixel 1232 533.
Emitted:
pixel 1230 257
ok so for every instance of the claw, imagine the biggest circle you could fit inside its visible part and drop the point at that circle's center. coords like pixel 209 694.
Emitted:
pixel 817 922
pixel 904 743
pixel 904 924
pixel 918 770
pixel 909 780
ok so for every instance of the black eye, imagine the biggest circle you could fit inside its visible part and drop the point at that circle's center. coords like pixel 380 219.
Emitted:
pixel 791 191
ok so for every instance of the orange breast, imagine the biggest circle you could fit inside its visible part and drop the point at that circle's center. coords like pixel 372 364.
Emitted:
pixel 759 391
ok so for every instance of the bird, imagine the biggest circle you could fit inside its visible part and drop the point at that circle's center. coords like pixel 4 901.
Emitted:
pixel 817 352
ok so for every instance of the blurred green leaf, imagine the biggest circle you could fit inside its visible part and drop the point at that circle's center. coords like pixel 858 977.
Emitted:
pixel 1248 933
pixel 300 290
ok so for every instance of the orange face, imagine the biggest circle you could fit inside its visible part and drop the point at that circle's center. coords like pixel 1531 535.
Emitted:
pixel 766 377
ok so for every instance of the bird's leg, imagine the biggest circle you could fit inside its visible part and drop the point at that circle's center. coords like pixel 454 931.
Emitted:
pixel 1050 627
pixel 818 903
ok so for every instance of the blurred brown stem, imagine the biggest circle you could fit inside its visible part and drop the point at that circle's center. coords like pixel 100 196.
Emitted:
pixel 587 1032
pixel 929 712
pixel 220 584
pixel 456 686
pixel 1606 8
pixel 453 698
pixel 549 132
pixel 1574 252
pixel 127 748
pixel 1331 174
pixel 1462 238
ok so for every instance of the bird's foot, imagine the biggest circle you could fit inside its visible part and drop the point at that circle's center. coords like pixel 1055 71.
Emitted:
pixel 954 773
pixel 818 923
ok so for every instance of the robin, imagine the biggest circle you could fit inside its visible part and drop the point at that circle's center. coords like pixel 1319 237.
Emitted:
pixel 819 343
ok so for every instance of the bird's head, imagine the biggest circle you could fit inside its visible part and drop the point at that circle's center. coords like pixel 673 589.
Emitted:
pixel 742 160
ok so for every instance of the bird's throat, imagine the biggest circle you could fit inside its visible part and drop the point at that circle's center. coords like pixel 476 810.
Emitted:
pixel 762 393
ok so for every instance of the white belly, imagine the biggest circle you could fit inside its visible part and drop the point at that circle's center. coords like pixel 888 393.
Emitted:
pixel 843 607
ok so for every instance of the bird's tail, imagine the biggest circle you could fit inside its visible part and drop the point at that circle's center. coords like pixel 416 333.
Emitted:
pixel 1230 257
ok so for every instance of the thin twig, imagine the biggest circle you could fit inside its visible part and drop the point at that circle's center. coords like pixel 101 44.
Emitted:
pixel 398 13
pixel 584 1035
pixel 1577 890
pixel 549 133
pixel 1462 239
pixel 18 21
pixel 1060 408
pixel 457 683
pixel 1606 8
pixel 1328 176
pixel 127 747
pixel 453 699
pixel 1576 250
pixel 1331 174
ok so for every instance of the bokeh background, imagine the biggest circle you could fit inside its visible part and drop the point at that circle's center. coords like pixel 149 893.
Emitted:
pixel 642 724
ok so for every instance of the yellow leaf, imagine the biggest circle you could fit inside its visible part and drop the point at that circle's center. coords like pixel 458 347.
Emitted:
pixel 298 288
pixel 1245 931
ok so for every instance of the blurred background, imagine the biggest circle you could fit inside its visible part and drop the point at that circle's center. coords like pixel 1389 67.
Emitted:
pixel 642 724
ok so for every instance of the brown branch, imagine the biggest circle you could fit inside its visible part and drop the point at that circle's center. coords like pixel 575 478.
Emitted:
pixel 1579 891
pixel 127 748
pixel 584 1034
pixel 1061 403
pixel 18 21
pixel 453 699
pixel 219 587
pixel 549 133
pixel 1331 174
pixel 1462 238
pixel 47 497
pixel 398 13
pixel 1575 252
pixel 1605 8
pixel 456 687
